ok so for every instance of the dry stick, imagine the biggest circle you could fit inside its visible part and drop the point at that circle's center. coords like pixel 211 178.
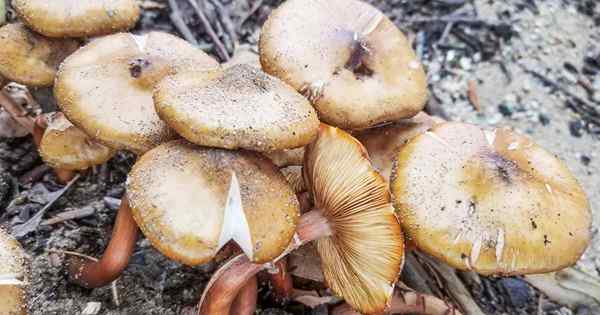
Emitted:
pixel 70 215
pixel 116 256
pixel 177 20
pixel 255 6
pixel 221 51
pixel 225 19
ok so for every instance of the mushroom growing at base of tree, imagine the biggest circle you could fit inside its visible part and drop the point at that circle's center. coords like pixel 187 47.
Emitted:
pixel 357 234
pixel 490 201
pixel 13 276
pixel 347 58
pixel 77 18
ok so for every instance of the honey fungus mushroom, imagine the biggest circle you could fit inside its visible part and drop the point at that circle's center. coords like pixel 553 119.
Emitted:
pixel 105 88
pixel 240 107
pixel 64 146
pixel 357 234
pixel 29 58
pixel 13 276
pixel 490 201
pixel 77 18
pixel 350 60
pixel 190 201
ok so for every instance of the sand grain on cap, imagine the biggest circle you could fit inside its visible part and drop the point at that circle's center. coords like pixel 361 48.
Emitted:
pixel 181 195
pixel 241 107
pixel 490 201
pixel 105 88
pixel 347 57
pixel 77 18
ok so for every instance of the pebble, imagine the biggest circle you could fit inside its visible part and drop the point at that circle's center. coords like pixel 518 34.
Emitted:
pixel 544 120
pixel 585 159
pixel 576 128
pixel 518 291
pixel 505 109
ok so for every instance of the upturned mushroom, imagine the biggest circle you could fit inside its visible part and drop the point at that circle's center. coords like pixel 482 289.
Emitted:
pixel 356 231
pixel 490 201
pixel 190 201
pixel 29 58
pixel 77 18
pixel 239 107
pixel 64 146
pixel 347 57
pixel 13 276
pixel 105 88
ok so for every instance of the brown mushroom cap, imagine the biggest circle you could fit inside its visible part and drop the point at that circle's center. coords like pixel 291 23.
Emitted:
pixel 29 58
pixel 350 60
pixel 77 18
pixel 240 107
pixel 490 201
pixel 13 276
pixel 65 146
pixel 105 88
pixel 361 261
pixel 190 201
pixel 383 143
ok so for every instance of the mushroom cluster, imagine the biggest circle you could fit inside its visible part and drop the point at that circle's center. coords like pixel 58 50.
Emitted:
pixel 319 139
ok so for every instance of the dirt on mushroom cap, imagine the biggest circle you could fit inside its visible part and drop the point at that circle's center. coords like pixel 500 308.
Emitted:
pixel 65 146
pixel 241 107
pixel 350 60
pixel 363 258
pixel 77 18
pixel 180 195
pixel 490 201
pixel 29 58
pixel 13 276
pixel 105 88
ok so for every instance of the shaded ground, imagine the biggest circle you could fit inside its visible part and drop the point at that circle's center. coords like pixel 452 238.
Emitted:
pixel 508 53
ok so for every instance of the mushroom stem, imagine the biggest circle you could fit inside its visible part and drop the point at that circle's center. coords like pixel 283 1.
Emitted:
pixel 281 281
pixel 39 127
pixel 409 302
pixel 116 257
pixel 227 282
pixel 245 301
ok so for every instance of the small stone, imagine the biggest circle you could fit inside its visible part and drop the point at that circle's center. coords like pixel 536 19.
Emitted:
pixel 92 308
pixel 505 110
pixel 576 128
pixel 544 120
pixel 585 159
pixel 519 293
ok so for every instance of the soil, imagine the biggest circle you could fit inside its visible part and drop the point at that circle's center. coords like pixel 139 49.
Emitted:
pixel 496 52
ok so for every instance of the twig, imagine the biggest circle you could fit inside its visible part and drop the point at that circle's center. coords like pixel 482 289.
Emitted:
pixel 452 19
pixel 35 174
pixel 33 223
pixel 70 215
pixel 177 20
pixel 250 13
pixel 225 19
pixel 220 48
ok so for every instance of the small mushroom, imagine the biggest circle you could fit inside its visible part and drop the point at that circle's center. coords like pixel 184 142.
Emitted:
pixel 240 107
pixel 348 58
pixel 490 201
pixel 105 88
pixel 190 201
pixel 13 276
pixel 77 18
pixel 65 146
pixel 30 58
pixel 357 234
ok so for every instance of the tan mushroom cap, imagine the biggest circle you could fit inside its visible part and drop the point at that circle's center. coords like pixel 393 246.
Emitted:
pixel 190 201
pixel 362 260
pixel 105 88
pixel 490 201
pixel 13 276
pixel 350 60
pixel 29 58
pixel 65 146
pixel 383 143
pixel 77 18
pixel 240 107
pixel 243 55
